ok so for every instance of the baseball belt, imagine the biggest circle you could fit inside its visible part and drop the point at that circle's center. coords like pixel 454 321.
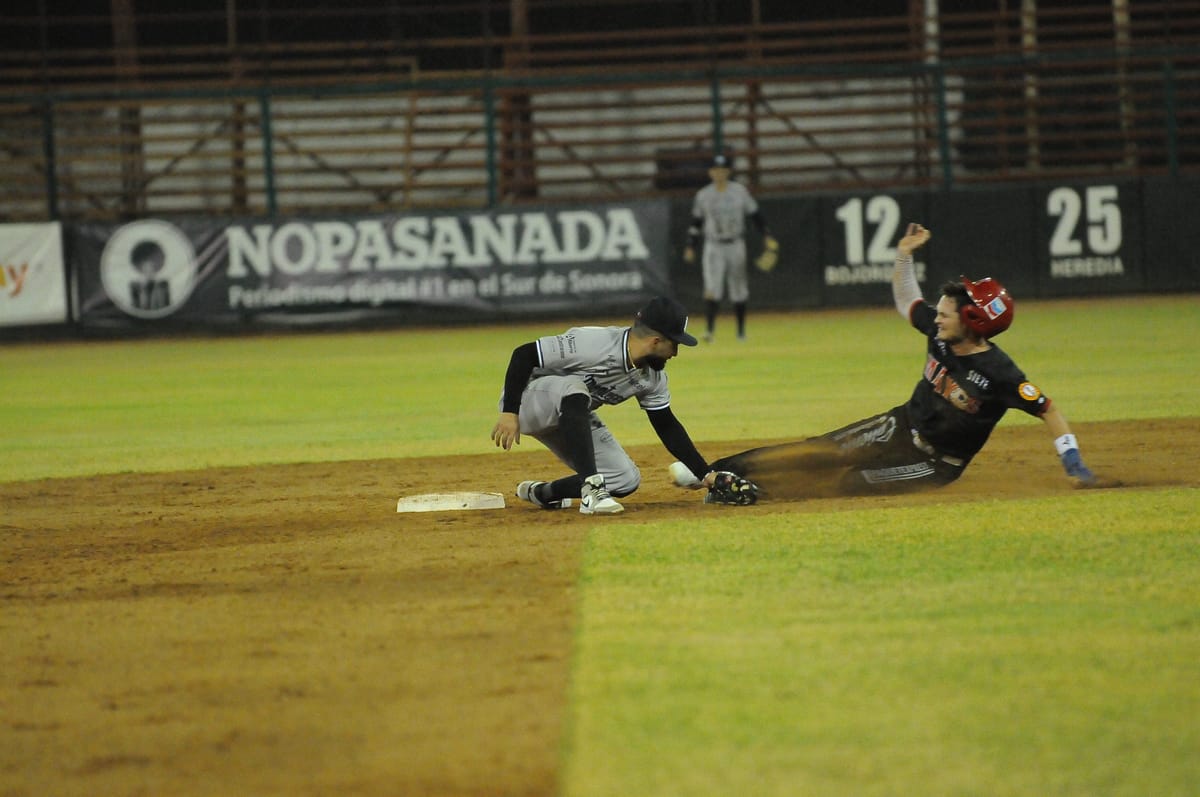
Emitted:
pixel 923 444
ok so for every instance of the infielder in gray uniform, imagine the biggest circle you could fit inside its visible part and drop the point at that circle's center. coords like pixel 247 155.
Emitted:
pixel 719 214
pixel 554 386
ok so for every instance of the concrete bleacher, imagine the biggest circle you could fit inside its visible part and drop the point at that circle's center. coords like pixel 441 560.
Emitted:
pixel 379 122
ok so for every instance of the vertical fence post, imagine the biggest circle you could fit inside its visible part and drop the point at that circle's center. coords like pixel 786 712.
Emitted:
pixel 715 98
pixel 939 83
pixel 264 124
pixel 51 159
pixel 489 128
pixel 1172 109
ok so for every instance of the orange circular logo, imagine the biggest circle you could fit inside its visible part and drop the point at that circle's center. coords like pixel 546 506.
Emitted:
pixel 1029 391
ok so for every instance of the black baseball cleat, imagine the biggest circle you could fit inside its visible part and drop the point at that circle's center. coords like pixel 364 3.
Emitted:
pixel 527 491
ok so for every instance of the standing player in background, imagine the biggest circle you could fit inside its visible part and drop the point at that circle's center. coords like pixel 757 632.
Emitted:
pixel 719 214
pixel 967 385
pixel 554 385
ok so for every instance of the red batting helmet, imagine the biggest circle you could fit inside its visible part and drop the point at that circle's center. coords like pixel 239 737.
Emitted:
pixel 991 309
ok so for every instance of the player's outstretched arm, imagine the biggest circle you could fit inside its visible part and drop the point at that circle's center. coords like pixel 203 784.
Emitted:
pixel 678 442
pixel 1068 448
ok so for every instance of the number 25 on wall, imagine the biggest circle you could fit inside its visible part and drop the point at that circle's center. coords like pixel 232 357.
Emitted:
pixel 1103 219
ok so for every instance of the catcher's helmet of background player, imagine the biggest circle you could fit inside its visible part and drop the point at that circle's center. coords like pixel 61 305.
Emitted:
pixel 991 309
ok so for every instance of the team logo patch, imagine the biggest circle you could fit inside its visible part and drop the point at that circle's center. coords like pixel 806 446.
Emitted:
pixel 1029 391
pixel 995 309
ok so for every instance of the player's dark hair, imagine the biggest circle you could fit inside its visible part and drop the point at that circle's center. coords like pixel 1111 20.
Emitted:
pixel 958 292
pixel 640 330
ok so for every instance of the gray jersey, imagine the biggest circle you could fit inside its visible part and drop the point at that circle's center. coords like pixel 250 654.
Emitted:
pixel 599 355
pixel 592 361
pixel 723 266
pixel 724 212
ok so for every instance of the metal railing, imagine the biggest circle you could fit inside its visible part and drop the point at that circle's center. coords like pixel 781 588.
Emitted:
pixel 882 103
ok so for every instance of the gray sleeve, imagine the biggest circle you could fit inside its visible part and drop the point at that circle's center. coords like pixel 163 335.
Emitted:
pixel 579 348
pixel 560 352
pixel 905 290
pixel 658 396
pixel 750 201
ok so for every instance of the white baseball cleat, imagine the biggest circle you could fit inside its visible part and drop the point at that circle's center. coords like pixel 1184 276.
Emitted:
pixel 682 476
pixel 594 498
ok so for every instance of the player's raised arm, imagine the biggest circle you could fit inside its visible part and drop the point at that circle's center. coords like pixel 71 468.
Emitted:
pixel 914 238
pixel 905 290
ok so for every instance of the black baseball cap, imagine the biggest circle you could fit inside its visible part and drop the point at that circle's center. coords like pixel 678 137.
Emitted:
pixel 667 317
pixel 720 161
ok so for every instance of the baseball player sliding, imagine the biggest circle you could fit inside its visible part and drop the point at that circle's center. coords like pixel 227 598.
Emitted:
pixel 967 385
pixel 555 384
pixel 719 214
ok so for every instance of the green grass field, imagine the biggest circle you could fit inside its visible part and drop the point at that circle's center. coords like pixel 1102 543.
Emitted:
pixel 74 409
pixel 890 652
pixel 897 651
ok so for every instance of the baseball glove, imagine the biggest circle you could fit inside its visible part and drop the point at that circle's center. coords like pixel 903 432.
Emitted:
pixel 770 255
pixel 729 488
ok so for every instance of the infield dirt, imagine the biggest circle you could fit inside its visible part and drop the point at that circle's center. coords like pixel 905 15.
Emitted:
pixel 281 630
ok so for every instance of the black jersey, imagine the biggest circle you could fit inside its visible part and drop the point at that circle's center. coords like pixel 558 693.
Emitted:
pixel 959 400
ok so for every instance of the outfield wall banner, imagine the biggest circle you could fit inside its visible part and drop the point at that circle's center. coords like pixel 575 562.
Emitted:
pixel 333 271
pixel 1090 238
pixel 982 233
pixel 858 235
pixel 32 279
pixel 1173 251
pixel 796 277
